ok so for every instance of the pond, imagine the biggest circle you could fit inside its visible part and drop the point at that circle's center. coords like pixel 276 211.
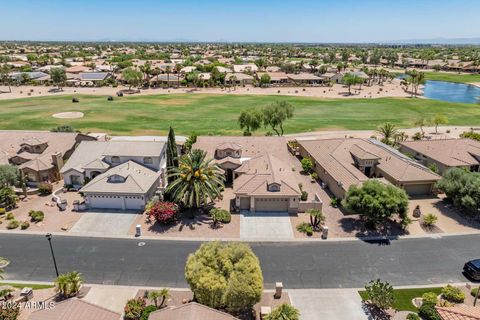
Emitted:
pixel 451 91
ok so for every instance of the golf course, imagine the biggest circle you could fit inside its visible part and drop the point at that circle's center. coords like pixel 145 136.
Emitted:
pixel 205 114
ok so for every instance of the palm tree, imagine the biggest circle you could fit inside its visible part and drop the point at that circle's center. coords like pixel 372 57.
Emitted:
pixel 284 312
pixel 164 294
pixel 178 68
pixel 316 218
pixel 1 273
pixel 387 131
pixel 168 70
pixel 196 180
pixel 421 122
pixel 68 284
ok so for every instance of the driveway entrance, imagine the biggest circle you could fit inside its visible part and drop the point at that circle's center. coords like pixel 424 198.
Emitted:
pixel 105 223
pixel 265 225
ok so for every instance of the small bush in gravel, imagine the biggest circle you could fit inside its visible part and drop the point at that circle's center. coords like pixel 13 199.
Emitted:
pixel 453 294
pixel 24 225
pixel 13 224
pixel 36 215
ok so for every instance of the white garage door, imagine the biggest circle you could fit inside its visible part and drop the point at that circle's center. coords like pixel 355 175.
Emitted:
pixel 266 204
pixel 134 202
pixel 106 202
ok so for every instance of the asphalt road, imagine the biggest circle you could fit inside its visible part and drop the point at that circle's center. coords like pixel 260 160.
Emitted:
pixel 298 264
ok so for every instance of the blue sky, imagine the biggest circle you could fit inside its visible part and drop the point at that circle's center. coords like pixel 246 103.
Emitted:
pixel 247 20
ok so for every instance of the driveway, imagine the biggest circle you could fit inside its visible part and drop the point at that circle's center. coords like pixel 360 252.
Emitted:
pixel 110 297
pixel 332 304
pixel 104 223
pixel 265 225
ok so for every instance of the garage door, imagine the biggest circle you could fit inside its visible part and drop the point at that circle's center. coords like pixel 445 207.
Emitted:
pixel 134 202
pixel 106 202
pixel 245 203
pixel 271 204
pixel 418 189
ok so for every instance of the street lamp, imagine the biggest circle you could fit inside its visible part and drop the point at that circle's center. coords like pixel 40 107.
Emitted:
pixel 49 238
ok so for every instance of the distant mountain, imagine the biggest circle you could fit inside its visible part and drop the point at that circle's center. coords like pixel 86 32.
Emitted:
pixel 448 41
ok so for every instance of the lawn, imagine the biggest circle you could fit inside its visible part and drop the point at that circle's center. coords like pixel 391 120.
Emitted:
pixel 403 297
pixel 217 114
pixel 27 285
pixel 452 77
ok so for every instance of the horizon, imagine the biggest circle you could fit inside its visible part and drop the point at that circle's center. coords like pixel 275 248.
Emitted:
pixel 306 21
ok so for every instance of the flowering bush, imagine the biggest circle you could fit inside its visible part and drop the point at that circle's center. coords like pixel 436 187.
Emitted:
pixel 164 212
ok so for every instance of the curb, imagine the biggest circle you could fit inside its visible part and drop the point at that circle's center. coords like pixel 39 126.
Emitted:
pixel 196 239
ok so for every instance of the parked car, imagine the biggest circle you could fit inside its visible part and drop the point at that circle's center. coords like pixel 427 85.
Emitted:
pixel 472 269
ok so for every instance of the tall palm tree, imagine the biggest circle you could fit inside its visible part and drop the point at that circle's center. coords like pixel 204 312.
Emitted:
pixel 178 68
pixel 68 284
pixel 168 70
pixel 1 273
pixel 196 180
pixel 387 131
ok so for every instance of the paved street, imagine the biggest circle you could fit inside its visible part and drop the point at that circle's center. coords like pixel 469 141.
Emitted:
pixel 298 264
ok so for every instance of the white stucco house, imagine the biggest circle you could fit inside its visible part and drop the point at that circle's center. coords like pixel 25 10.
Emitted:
pixel 121 175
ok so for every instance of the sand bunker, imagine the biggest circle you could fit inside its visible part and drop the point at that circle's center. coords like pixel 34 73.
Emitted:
pixel 68 115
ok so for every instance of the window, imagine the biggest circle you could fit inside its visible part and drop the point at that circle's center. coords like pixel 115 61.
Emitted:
pixel 115 160
pixel 147 160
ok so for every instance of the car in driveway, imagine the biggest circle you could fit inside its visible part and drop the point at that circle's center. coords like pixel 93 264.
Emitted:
pixel 472 269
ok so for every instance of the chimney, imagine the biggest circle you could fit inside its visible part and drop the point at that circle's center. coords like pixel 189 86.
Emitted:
pixel 57 160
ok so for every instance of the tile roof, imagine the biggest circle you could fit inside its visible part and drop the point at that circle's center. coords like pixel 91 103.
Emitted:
pixel 137 179
pixel 450 152
pixel 336 156
pixel 459 313
pixel 190 311
pixel 75 309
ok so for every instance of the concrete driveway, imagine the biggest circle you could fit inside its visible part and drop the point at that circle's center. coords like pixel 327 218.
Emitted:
pixel 265 225
pixel 332 304
pixel 113 298
pixel 109 223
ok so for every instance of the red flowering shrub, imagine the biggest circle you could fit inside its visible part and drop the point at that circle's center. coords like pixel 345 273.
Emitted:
pixel 164 212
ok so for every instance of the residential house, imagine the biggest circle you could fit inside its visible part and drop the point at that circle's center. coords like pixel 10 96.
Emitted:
pixel 121 175
pixel 242 68
pixel 93 78
pixel 276 78
pixel 74 309
pixel 445 154
pixel 258 168
pixel 39 154
pixel 304 79
pixel 190 311
pixel 341 163
pixel 459 312
pixel 238 78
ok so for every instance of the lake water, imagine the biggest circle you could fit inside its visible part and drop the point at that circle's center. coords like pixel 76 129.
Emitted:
pixel 451 91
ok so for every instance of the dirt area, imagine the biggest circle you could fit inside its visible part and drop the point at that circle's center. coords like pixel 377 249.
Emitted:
pixel 54 220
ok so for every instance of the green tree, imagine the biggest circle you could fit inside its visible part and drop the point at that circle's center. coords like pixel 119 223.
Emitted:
pixel 58 76
pixel 350 80
pixel 9 175
pixel 380 294
pixel 68 284
pixel 172 154
pixel 421 122
pixel 438 120
pixel 225 275
pixel 189 142
pixel 377 201
pixel 307 165
pixel 316 217
pixel 162 294
pixel 388 132
pixel 276 114
pixel 462 188
pixel 265 80
pixel 197 181
pixel 133 77
pixel 250 120
pixel 8 197
pixel 284 311
pixel 5 76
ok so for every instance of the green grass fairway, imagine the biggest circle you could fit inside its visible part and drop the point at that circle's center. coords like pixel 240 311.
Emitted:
pixel 217 114
pixel 452 77
pixel 403 297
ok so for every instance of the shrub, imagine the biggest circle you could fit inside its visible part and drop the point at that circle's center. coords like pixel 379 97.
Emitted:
pixel 429 220
pixel 36 215
pixel 473 292
pixel 24 225
pixel 2 211
pixel 427 312
pixel 225 275
pixel 284 312
pixel 146 312
pixel 45 188
pixel 164 212
pixel 334 202
pixel 9 311
pixel 306 228
pixel 417 136
pixel 10 216
pixel 220 215
pixel 429 297
pixel 380 294
pixel 134 308
pixel 304 196
pixel 413 316
pixel 314 176
pixel 453 294
pixel 461 187
pixel 307 165
pixel 13 224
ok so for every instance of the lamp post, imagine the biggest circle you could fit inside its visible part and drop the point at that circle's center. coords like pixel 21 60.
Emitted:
pixel 49 238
